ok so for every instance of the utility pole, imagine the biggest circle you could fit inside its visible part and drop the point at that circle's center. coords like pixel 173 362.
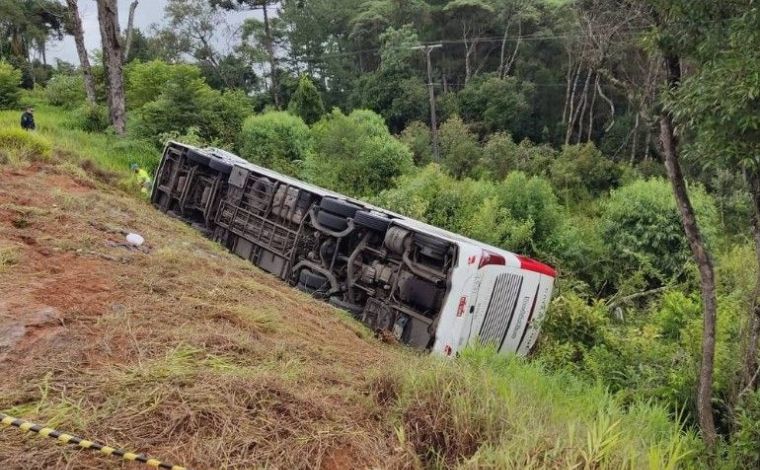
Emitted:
pixel 428 48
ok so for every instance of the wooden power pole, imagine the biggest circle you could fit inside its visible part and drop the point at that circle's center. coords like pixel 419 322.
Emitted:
pixel 428 48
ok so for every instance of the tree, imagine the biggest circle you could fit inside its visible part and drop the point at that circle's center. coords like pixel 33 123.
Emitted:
pixel 497 104
pixel 460 152
pixel 276 140
pixel 418 138
pixel 130 27
pixel 699 251
pixel 472 16
pixel 196 25
pixel 716 108
pixel 108 18
pixel 355 154
pixel 268 39
pixel 84 60
pixel 394 90
pixel 25 28
pixel 10 81
pixel 306 101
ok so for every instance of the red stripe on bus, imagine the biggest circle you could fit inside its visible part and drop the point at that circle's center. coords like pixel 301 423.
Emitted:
pixel 536 266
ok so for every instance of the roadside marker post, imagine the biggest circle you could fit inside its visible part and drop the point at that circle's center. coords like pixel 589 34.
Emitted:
pixel 65 438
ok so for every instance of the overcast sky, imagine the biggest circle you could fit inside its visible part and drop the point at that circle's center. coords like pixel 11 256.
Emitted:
pixel 147 13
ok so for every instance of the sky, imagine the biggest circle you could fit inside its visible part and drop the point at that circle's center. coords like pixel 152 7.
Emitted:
pixel 147 13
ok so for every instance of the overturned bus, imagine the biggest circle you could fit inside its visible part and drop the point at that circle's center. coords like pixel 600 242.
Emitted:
pixel 429 288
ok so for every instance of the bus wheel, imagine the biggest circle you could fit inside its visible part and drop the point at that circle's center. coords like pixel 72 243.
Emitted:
pixel 372 221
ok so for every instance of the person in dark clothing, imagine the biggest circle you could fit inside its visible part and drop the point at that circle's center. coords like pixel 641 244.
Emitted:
pixel 27 120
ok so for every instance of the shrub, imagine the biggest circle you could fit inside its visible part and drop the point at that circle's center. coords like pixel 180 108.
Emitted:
pixel 10 81
pixel 745 441
pixel 642 227
pixel 459 147
pixel 221 115
pixel 145 81
pixel 529 201
pixel 417 137
pixel 306 101
pixel 276 140
pixel 495 104
pixel 186 101
pixel 355 153
pixel 581 172
pixel 65 90
pixel 499 156
pixel 17 145
pixel 91 117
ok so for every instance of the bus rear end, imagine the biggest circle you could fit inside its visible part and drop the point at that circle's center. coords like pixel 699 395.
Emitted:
pixel 497 298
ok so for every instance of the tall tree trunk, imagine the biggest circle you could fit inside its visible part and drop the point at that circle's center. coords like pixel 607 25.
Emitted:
pixel 84 60
pixel 635 144
pixel 591 109
pixel 467 53
pixel 571 106
pixel 512 59
pixel 582 110
pixel 270 53
pixel 108 17
pixel 701 257
pixel 130 28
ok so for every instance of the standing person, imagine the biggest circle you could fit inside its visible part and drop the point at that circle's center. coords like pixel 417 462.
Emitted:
pixel 27 120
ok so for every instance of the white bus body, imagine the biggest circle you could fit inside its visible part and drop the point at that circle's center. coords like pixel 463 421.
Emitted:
pixel 428 287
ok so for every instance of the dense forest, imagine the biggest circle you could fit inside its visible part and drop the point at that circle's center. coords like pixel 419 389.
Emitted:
pixel 618 140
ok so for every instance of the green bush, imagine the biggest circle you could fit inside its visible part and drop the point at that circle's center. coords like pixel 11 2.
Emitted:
pixel 91 118
pixel 499 156
pixel 642 227
pixel 495 104
pixel 18 145
pixel 65 90
pixel 520 213
pixel 10 82
pixel 581 172
pixel 417 137
pixel 221 115
pixel 186 101
pixel 306 101
pixel 355 154
pixel 276 140
pixel 529 201
pixel 459 148
pixel 145 81
pixel 744 451
pixel 435 197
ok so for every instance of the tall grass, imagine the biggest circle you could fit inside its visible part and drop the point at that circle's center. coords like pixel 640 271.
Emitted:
pixel 107 150
pixel 486 410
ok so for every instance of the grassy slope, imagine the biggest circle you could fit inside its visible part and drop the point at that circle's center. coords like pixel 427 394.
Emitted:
pixel 192 355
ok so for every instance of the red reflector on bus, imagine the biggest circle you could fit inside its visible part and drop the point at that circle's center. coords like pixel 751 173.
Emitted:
pixel 536 266
pixel 488 257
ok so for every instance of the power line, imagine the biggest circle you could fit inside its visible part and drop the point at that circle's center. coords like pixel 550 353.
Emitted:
pixel 487 39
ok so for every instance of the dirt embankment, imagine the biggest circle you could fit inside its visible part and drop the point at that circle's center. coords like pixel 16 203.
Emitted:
pixel 177 349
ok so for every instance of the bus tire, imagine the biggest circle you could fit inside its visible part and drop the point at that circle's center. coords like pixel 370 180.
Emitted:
pixel 372 221
pixel 338 207
pixel 311 279
pixel 332 221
